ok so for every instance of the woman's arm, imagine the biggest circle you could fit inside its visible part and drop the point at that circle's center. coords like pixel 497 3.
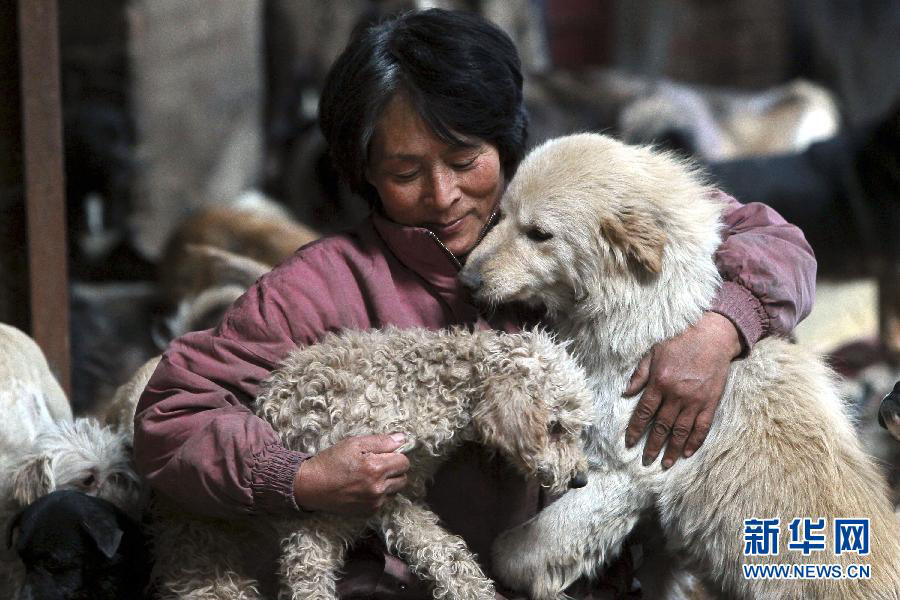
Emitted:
pixel 769 272
pixel 197 440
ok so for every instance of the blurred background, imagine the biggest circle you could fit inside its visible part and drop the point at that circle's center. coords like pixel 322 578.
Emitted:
pixel 156 156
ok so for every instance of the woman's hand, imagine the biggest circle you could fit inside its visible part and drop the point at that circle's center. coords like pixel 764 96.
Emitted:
pixel 683 379
pixel 354 477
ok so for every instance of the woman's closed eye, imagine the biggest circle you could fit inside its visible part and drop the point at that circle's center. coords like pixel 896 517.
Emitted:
pixel 463 164
pixel 405 176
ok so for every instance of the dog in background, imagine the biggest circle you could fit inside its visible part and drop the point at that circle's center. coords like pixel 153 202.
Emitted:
pixel 30 397
pixel 617 243
pixel 118 413
pixel 216 254
pixel 78 546
pixel 83 456
pixel 889 413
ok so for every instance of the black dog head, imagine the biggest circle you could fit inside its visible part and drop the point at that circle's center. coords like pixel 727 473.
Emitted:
pixel 76 546
pixel 889 412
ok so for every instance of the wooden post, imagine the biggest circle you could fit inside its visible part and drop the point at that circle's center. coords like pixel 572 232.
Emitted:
pixel 43 176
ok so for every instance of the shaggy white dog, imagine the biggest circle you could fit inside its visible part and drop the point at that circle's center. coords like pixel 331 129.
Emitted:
pixel 84 456
pixel 44 450
pixel 520 394
pixel 617 243
pixel 30 400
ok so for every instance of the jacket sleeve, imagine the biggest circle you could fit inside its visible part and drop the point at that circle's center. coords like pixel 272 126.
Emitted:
pixel 768 268
pixel 196 439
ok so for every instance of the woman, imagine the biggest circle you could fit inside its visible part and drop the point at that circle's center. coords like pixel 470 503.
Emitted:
pixel 424 118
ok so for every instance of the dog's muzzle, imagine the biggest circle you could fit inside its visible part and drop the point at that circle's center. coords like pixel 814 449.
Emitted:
pixel 890 408
pixel 579 480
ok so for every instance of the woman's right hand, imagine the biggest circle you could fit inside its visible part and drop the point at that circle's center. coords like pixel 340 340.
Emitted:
pixel 354 477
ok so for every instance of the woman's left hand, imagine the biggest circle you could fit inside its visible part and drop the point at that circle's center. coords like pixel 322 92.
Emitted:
pixel 683 379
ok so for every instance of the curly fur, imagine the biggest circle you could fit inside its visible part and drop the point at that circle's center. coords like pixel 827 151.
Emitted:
pixel 629 264
pixel 519 394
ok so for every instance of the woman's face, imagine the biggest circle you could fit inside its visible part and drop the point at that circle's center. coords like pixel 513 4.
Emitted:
pixel 424 182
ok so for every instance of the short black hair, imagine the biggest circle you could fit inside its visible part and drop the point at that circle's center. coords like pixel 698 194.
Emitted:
pixel 461 72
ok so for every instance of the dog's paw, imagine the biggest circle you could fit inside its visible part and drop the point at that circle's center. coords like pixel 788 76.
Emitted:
pixel 522 562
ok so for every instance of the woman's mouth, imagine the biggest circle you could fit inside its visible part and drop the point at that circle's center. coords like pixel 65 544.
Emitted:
pixel 444 230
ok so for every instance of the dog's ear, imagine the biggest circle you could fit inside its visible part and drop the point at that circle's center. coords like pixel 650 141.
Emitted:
pixel 105 533
pixel 640 236
pixel 512 420
pixel 33 479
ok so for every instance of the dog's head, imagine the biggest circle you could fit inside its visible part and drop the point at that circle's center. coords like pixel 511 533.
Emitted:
pixel 889 412
pixel 83 456
pixel 587 216
pixel 76 546
pixel 535 408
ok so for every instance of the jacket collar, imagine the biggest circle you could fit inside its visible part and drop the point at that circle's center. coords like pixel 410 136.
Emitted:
pixel 421 251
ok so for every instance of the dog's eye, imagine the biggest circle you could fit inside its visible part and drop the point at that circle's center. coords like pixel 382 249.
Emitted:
pixel 538 235
pixel 89 481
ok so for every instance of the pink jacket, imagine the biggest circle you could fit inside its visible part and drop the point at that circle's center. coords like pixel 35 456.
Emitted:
pixel 198 443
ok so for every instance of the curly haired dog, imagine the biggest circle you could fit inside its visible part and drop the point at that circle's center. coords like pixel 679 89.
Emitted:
pixel 617 243
pixel 520 394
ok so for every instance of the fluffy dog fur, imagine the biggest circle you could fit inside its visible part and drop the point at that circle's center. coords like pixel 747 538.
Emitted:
pixel 520 394
pixel 80 455
pixel 42 449
pixel 617 243
pixel 262 233
pixel 30 397
pixel 83 456
pixel 30 400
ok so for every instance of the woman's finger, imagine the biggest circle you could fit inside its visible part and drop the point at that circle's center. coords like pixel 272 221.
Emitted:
pixel 393 465
pixel 701 430
pixel 643 413
pixel 660 430
pixel 394 485
pixel 681 429
pixel 639 377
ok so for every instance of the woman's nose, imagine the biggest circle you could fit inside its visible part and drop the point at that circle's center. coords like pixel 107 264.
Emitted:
pixel 444 188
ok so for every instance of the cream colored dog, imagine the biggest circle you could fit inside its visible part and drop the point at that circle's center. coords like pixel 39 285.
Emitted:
pixel 520 395
pixel 617 243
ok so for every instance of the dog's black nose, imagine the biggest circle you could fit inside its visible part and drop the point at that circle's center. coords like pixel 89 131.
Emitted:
pixel 579 480
pixel 470 279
